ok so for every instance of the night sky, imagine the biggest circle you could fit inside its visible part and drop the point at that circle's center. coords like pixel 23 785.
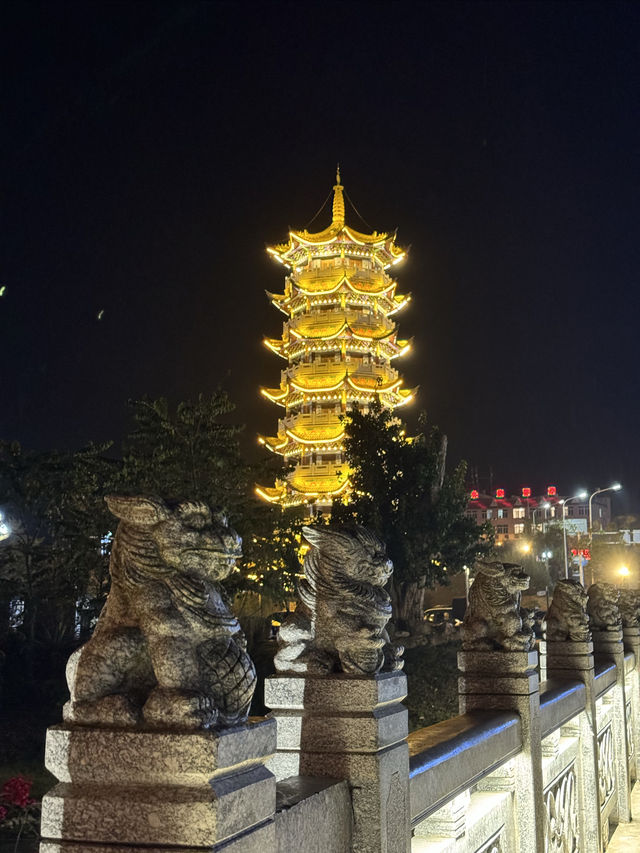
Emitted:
pixel 150 151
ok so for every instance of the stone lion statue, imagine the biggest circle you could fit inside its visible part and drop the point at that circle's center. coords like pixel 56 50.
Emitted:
pixel 494 618
pixel 166 650
pixel 629 605
pixel 340 623
pixel 603 607
pixel 567 618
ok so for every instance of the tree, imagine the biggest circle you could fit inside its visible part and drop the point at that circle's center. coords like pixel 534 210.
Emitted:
pixel 402 490
pixel 54 556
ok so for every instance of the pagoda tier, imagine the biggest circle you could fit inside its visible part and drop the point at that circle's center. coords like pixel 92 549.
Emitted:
pixel 338 340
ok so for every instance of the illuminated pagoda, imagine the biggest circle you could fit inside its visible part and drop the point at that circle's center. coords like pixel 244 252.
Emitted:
pixel 338 340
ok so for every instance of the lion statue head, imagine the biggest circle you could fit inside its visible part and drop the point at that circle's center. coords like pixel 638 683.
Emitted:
pixel 567 618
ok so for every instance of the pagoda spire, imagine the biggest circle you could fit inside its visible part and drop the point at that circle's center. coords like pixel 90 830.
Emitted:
pixel 338 201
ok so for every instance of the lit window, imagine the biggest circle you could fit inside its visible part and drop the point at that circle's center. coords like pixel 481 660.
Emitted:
pixel 502 529
pixel 518 528
pixel 518 512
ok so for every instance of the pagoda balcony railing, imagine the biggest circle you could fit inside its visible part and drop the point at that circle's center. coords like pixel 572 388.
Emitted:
pixel 306 420
pixel 355 368
pixel 352 273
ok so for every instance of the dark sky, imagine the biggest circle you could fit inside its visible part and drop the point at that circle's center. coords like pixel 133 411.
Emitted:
pixel 149 151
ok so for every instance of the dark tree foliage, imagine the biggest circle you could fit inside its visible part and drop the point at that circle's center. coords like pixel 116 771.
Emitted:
pixel 402 490
pixel 191 452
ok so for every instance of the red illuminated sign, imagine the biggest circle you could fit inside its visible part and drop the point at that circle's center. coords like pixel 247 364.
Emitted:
pixel 581 552
pixel 474 495
pixel 526 492
pixel 499 493
pixel 552 491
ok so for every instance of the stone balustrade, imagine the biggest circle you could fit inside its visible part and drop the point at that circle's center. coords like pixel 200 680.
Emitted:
pixel 529 765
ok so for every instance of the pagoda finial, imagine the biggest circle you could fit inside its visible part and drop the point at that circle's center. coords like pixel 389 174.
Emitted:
pixel 338 201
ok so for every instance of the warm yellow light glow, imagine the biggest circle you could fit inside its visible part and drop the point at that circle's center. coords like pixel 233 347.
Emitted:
pixel 339 342
pixel 624 571
pixel 525 547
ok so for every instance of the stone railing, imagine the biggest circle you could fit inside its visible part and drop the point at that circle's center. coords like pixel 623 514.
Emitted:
pixel 528 766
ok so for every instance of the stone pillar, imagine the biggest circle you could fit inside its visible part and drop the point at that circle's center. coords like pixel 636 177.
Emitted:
pixel 608 645
pixel 631 641
pixel 352 728
pixel 567 659
pixel 508 681
pixel 135 790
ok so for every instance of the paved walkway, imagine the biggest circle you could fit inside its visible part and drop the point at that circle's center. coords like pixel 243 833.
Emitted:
pixel 626 838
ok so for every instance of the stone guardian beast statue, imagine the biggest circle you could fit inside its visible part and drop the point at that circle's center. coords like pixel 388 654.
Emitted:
pixel 166 651
pixel 603 607
pixel 630 607
pixel 567 618
pixel 340 624
pixel 494 620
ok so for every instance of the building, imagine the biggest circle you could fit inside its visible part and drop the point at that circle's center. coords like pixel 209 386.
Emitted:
pixel 517 516
pixel 339 340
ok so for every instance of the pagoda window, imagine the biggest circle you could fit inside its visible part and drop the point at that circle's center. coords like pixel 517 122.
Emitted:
pixel 316 264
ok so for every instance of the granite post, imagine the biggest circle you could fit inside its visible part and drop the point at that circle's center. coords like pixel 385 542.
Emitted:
pixel 349 728
pixel 142 790
pixel 631 641
pixel 515 688
pixel 608 646
pixel 567 659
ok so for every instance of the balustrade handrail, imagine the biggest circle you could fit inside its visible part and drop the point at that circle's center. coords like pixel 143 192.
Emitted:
pixel 463 749
pixel 605 676
pixel 560 701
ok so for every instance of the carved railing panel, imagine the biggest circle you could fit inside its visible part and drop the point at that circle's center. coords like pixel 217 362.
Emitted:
pixel 606 768
pixel 561 828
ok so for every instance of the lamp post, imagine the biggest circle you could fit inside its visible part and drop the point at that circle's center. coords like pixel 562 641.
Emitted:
pixel 614 488
pixel 544 506
pixel 580 496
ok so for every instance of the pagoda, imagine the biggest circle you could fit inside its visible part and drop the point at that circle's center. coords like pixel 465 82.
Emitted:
pixel 338 340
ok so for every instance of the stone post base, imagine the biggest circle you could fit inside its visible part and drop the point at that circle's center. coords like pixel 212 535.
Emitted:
pixel 355 729
pixel 609 645
pixel 508 681
pixel 132 789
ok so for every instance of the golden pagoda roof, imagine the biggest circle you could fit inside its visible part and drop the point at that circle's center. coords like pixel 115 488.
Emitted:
pixel 338 229
pixel 332 327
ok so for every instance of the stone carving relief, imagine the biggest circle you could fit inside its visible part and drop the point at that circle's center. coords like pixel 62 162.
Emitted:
pixel 629 605
pixel 494 619
pixel 603 607
pixel 166 650
pixel 606 769
pixel 340 623
pixel 567 618
pixel 561 831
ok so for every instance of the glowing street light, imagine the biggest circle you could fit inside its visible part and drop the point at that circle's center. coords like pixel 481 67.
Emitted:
pixel 546 505
pixel 526 547
pixel 623 571
pixel 581 496
pixel 5 530
pixel 613 488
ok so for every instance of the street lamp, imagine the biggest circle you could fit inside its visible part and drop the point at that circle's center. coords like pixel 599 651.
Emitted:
pixel 579 497
pixel 624 571
pixel 545 506
pixel 614 488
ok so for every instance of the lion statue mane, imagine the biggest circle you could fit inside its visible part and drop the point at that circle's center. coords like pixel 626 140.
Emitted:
pixel 166 652
pixel 340 623
pixel 603 607
pixel 567 618
pixel 494 619
pixel 630 607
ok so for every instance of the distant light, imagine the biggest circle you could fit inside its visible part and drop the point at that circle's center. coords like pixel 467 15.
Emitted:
pixel 552 491
pixel 526 547
pixel 474 495
pixel 545 505
pixel 616 487
pixel 526 492
pixel 624 571
pixel 582 495
pixel 500 493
